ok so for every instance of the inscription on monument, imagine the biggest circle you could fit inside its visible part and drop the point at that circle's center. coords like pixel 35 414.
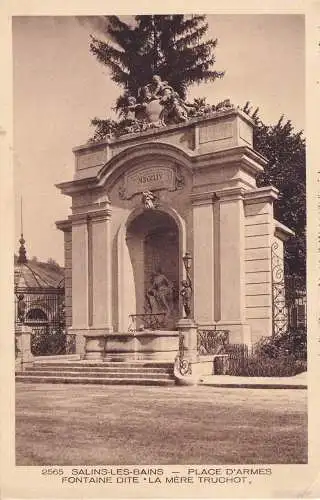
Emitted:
pixel 150 179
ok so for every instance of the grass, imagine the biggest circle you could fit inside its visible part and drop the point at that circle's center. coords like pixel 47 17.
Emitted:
pixel 96 425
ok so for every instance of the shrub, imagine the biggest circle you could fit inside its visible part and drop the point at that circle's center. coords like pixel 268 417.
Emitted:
pixel 46 342
pixel 291 343
pixel 284 366
pixel 279 356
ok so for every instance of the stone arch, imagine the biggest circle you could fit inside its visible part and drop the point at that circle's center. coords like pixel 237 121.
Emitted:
pixel 37 314
pixel 118 165
pixel 128 297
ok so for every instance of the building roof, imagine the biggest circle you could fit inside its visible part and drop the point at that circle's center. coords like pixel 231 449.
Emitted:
pixel 34 274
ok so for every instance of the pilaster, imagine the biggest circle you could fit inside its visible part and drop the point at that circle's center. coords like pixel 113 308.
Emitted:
pixel 231 254
pixel 100 270
pixel 80 269
pixel 203 258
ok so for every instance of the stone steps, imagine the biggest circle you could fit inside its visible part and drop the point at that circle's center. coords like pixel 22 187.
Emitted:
pixel 91 373
pixel 91 380
pixel 82 372
pixel 98 368
pixel 106 364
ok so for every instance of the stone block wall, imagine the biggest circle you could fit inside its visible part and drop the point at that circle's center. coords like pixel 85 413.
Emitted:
pixel 259 228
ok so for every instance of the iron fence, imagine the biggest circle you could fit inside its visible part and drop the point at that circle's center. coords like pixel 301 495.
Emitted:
pixel 289 297
pixel 43 310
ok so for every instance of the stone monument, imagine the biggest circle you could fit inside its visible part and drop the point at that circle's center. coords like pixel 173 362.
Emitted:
pixel 173 180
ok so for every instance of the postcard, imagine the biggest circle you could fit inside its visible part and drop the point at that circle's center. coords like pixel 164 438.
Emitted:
pixel 160 256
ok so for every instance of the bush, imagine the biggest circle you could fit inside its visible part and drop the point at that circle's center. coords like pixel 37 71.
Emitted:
pixel 291 343
pixel 284 366
pixel 46 342
pixel 279 356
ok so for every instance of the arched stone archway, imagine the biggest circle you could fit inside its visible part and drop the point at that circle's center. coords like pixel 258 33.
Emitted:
pixel 150 246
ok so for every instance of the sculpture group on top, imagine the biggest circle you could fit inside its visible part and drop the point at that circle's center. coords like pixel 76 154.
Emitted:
pixel 158 105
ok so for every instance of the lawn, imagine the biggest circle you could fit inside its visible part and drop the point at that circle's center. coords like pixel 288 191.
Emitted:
pixel 102 425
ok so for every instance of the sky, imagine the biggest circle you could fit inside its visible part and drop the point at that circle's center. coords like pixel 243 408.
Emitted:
pixel 58 87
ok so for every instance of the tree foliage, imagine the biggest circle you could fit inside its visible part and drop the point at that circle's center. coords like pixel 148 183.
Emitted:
pixel 174 47
pixel 285 152
pixel 171 46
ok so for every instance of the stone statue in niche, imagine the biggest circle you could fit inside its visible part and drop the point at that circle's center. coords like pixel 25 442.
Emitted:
pixel 148 199
pixel 160 296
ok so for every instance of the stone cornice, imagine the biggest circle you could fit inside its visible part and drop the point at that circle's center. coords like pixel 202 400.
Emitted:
pixel 258 195
pixel 94 216
pixel 79 219
pixel 193 122
pixel 76 186
pixel 227 194
pixel 230 194
pixel 249 159
pixel 205 198
pixel 64 225
pixel 99 215
pixel 244 156
pixel 281 231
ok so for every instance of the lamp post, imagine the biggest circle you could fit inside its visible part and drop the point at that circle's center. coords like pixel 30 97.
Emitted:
pixel 188 330
pixel 187 259
pixel 186 290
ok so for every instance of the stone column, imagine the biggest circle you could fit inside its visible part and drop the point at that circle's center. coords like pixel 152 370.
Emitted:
pixel 23 337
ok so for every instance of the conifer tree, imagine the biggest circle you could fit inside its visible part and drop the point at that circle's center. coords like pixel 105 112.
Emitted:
pixel 171 46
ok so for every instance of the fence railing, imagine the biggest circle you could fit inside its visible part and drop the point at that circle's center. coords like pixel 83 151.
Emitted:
pixel 212 341
pixel 43 310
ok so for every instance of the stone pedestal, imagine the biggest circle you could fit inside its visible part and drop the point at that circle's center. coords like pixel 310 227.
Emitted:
pixel 23 335
pixel 94 346
pixel 187 355
pixel 188 330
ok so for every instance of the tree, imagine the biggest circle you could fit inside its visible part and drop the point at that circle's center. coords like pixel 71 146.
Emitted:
pixel 53 264
pixel 170 46
pixel 285 151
